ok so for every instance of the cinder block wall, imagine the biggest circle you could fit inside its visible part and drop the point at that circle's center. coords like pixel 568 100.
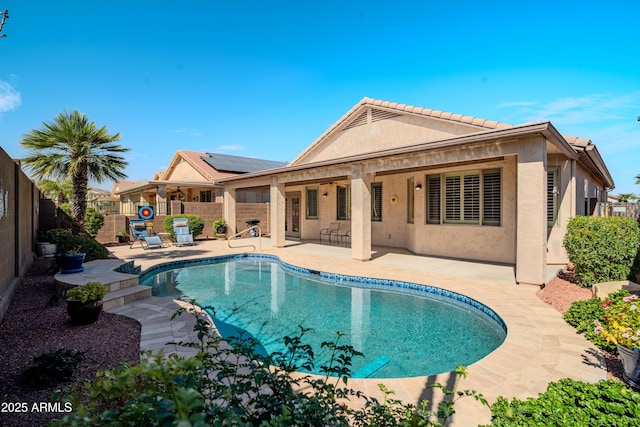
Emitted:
pixel 208 211
pixel 19 207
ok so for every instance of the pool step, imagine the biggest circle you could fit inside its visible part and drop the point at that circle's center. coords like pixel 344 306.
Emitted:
pixel 123 296
pixel 372 367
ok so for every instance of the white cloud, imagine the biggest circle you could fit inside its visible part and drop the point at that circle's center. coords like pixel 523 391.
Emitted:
pixel 9 97
pixel 233 147
pixel 190 132
pixel 587 109
pixel 516 104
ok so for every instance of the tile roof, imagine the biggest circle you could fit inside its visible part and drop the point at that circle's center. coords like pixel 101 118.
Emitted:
pixel 394 107
pixel 194 158
pixel 474 121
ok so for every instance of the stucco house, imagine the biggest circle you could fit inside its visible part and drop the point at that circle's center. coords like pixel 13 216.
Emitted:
pixel 190 178
pixel 435 183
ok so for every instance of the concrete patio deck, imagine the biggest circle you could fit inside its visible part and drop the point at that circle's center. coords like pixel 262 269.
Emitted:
pixel 540 347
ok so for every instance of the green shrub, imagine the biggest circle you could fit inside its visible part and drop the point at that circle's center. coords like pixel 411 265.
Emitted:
pixel 66 241
pixel 196 224
pixel 239 387
pixel 65 207
pixel 603 249
pixel 581 315
pixel 53 367
pixel 92 291
pixel 572 403
pixel 93 221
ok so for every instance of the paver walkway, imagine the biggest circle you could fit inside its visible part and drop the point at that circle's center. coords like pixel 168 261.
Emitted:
pixel 540 346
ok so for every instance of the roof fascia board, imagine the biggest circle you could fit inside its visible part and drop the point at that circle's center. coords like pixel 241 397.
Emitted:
pixel 556 138
pixel 150 185
pixel 491 135
pixel 594 156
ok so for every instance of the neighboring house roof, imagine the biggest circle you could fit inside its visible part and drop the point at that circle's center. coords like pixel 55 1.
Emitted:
pixel 238 164
pixel 123 185
pixel 211 166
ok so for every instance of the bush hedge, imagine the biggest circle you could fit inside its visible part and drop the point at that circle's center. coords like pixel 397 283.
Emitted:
pixel 196 224
pixel 603 249
pixel 572 403
pixel 66 241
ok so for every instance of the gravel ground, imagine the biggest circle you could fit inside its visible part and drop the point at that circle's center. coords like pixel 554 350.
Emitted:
pixel 37 323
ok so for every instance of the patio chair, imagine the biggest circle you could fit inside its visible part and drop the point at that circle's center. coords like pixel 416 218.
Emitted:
pixel 331 231
pixel 140 234
pixel 344 239
pixel 181 231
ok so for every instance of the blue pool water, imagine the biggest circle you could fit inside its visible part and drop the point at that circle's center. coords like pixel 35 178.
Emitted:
pixel 402 328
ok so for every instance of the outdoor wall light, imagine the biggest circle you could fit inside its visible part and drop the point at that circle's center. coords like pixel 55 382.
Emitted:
pixel 325 194
pixel 418 187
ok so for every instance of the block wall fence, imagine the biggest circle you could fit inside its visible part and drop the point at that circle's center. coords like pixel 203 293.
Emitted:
pixel 19 210
pixel 208 211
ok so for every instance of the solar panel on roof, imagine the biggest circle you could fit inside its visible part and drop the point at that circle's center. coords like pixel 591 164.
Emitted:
pixel 239 164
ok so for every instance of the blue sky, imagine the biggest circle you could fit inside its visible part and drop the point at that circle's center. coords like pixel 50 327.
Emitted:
pixel 265 79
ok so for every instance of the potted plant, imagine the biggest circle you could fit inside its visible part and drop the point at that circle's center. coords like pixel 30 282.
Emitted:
pixel 84 302
pixel 220 226
pixel 122 235
pixel 621 326
pixel 70 261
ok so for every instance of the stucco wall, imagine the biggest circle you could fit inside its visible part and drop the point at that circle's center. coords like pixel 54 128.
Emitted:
pixel 184 172
pixel 385 134
pixel 461 241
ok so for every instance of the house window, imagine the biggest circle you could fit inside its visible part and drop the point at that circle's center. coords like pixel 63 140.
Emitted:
pixel 552 197
pixel 205 196
pixel 464 196
pixel 343 203
pixel 433 199
pixel 491 197
pixel 410 200
pixel 376 201
pixel 312 202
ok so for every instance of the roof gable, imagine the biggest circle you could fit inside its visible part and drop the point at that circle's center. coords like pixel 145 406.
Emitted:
pixel 373 125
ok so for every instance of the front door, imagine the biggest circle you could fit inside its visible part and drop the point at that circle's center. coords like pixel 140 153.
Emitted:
pixel 292 215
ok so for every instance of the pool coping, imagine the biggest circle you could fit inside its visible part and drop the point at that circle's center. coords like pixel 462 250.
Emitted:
pixel 540 346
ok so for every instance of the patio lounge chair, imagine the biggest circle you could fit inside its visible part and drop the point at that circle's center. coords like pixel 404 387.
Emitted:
pixel 331 231
pixel 181 231
pixel 140 234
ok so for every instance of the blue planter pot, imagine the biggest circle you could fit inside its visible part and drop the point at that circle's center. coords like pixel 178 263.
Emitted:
pixel 631 366
pixel 70 263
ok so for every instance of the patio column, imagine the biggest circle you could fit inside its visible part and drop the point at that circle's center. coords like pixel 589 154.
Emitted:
pixel 161 200
pixel 229 210
pixel 360 213
pixel 278 204
pixel 531 225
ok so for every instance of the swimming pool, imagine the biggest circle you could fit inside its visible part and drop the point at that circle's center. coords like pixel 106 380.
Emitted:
pixel 403 329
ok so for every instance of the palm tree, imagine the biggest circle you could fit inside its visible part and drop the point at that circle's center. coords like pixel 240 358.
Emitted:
pixel 60 191
pixel 72 147
pixel 627 197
